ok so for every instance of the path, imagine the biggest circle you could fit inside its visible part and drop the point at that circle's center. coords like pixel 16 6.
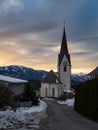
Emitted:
pixel 62 117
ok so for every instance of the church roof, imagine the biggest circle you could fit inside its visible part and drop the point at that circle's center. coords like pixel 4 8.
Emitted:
pixel 64 49
pixel 51 77
pixel 94 72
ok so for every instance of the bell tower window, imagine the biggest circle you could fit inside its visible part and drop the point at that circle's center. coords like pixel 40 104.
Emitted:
pixel 64 68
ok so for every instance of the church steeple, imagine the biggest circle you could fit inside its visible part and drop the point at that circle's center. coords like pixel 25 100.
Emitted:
pixel 64 49
pixel 64 63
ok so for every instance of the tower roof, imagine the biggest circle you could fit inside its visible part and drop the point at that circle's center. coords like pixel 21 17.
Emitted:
pixel 64 49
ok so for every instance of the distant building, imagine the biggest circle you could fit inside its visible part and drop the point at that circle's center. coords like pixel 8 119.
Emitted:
pixel 16 85
pixel 53 85
pixel 93 73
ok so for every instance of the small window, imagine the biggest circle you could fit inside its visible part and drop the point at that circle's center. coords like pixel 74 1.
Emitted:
pixel 64 68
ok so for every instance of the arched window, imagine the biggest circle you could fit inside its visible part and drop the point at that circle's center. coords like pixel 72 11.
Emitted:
pixel 53 92
pixel 65 68
pixel 46 91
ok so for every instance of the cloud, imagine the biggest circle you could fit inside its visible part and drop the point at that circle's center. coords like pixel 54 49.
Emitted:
pixel 44 15
pixel 81 53
pixel 32 30
pixel 10 5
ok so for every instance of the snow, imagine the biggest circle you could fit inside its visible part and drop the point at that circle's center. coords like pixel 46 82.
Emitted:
pixel 68 91
pixel 68 102
pixel 12 80
pixel 49 99
pixel 22 117
pixel 42 106
pixel 57 81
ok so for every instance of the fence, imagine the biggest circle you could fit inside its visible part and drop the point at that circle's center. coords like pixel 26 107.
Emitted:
pixel 86 99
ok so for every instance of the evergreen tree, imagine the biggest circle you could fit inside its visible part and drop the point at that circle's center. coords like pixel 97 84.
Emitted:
pixel 30 95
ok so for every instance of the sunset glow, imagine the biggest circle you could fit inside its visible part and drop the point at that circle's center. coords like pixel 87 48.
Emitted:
pixel 31 33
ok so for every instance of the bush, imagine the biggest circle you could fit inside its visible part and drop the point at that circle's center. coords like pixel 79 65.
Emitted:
pixel 66 95
pixel 69 95
pixel 30 95
pixel 18 97
pixel 6 97
pixel 62 97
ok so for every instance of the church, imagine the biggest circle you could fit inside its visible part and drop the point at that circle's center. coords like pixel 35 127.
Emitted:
pixel 54 85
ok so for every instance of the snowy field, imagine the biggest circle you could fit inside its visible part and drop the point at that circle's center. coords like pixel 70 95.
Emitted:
pixel 49 99
pixel 23 119
pixel 68 102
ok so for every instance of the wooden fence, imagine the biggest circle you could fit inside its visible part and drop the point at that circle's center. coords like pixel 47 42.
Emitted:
pixel 86 99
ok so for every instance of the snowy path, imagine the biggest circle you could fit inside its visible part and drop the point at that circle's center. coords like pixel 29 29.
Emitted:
pixel 62 117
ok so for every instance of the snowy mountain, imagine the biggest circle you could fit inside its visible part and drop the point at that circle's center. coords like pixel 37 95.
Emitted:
pixel 25 73
pixel 22 72
pixel 78 78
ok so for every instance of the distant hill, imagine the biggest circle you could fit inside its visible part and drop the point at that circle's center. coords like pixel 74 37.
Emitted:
pixel 26 73
pixel 22 72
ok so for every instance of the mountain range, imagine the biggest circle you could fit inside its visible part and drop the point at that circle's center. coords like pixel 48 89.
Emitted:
pixel 26 73
pixel 78 78
pixel 22 72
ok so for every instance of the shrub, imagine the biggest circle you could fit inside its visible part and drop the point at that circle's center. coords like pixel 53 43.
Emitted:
pixel 18 97
pixel 66 95
pixel 6 97
pixel 63 97
pixel 30 95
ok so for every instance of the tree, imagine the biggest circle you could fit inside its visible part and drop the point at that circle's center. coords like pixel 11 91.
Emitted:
pixel 6 97
pixel 30 95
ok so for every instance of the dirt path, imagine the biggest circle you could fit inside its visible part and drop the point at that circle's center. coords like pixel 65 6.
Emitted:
pixel 62 117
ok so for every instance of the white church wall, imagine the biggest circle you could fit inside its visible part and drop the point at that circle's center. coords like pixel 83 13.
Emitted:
pixel 51 90
pixel 65 76
pixel 54 90
pixel 44 86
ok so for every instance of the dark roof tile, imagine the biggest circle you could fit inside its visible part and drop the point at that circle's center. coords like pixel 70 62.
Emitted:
pixel 51 77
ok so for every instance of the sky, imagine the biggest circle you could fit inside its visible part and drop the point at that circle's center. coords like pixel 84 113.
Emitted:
pixel 31 33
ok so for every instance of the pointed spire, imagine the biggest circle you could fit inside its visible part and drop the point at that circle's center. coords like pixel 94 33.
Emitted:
pixel 64 48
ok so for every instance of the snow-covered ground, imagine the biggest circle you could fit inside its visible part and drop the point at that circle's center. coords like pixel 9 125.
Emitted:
pixel 23 119
pixel 68 102
pixel 49 99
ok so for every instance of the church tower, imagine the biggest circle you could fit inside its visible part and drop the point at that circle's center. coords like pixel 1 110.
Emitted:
pixel 64 63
